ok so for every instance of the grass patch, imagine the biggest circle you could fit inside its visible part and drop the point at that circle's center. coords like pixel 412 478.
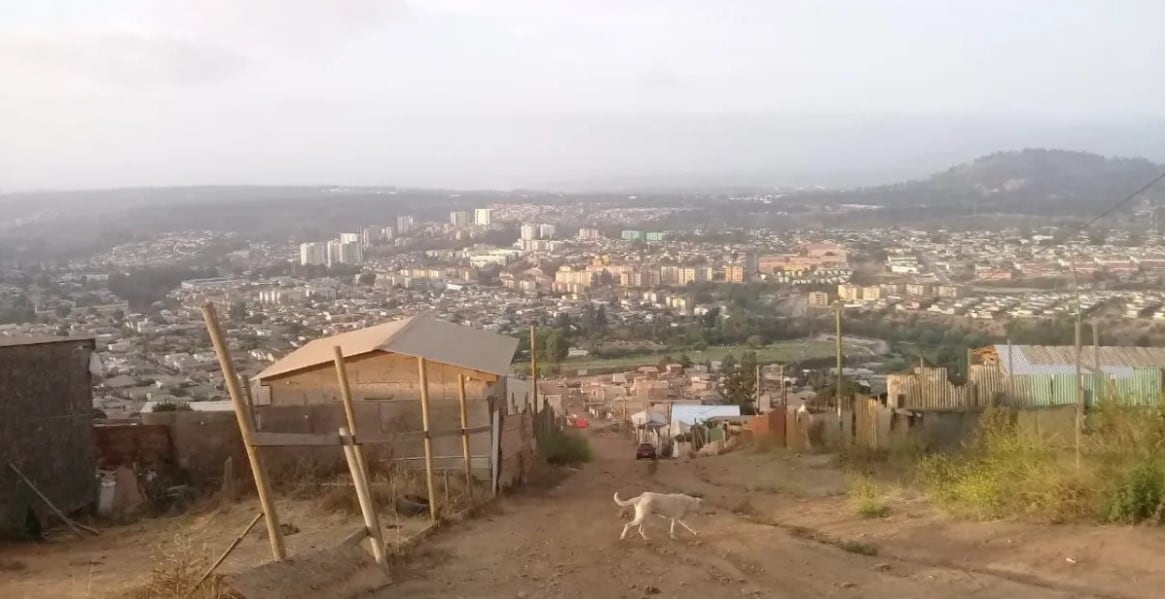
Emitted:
pixel 652 467
pixel 858 548
pixel 1009 471
pixel 867 499
pixel 566 448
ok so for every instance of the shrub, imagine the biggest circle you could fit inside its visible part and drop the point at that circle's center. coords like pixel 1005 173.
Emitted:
pixel 866 497
pixel 171 406
pixel 1137 494
pixel 566 448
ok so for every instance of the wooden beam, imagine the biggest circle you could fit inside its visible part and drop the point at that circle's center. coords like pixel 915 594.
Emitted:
pixel 331 440
pixel 221 558
pixel 423 374
pixel 464 434
pixel 364 496
pixel 247 430
pixel 349 409
pixel 52 506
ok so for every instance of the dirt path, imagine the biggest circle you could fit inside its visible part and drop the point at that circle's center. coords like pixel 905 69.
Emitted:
pixel 564 543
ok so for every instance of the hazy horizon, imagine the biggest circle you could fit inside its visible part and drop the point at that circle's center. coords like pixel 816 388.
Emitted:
pixel 564 95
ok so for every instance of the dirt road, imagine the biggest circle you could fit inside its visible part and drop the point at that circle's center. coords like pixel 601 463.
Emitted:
pixel 564 543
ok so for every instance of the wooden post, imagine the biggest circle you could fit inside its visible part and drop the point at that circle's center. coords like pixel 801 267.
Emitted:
pixel 534 367
pixel 424 377
pixel 465 433
pixel 1079 391
pixel 364 496
pixel 246 385
pixel 247 431
pixel 346 399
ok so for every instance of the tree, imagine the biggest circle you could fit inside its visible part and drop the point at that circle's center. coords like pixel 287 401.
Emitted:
pixel 556 347
pixel 739 386
pixel 727 364
pixel 685 361
pixel 367 279
pixel 237 311
pixel 711 318
pixel 64 310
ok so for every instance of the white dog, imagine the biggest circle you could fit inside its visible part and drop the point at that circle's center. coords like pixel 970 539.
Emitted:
pixel 672 506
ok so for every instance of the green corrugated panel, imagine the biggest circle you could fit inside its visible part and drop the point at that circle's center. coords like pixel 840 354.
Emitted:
pixel 1142 388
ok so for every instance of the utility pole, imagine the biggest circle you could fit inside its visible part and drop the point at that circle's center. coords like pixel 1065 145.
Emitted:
pixel 839 376
pixel 1079 391
pixel 756 407
pixel 1098 378
pixel 534 367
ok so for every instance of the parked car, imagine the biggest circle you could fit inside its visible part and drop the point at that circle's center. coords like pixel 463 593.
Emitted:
pixel 645 451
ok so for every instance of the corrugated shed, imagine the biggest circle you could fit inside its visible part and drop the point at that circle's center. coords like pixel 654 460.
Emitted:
pixel 928 389
pixel 1061 359
pixel 690 414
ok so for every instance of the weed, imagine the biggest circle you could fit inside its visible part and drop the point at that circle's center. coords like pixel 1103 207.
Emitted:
pixel 1137 494
pixel 866 496
pixel 177 567
pixel 566 448
pixel 858 548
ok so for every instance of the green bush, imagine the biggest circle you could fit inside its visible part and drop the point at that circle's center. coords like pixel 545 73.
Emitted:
pixel 566 448
pixel 1137 494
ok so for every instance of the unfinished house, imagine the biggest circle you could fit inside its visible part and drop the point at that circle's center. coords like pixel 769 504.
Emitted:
pixel 300 393
pixel 46 422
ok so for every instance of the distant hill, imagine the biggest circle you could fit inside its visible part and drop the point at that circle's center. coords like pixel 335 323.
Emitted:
pixel 1033 181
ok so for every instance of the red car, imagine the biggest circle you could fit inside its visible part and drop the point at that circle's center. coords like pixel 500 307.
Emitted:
pixel 645 451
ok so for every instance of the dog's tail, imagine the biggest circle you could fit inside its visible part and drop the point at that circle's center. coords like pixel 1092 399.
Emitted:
pixel 632 501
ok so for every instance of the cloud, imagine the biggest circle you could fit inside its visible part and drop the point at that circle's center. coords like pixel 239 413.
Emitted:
pixel 289 24
pixel 119 60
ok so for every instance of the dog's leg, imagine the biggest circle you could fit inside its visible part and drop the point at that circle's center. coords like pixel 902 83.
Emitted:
pixel 687 527
pixel 672 530
pixel 641 533
pixel 626 527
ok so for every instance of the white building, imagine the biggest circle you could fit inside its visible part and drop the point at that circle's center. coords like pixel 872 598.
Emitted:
pixel 483 217
pixel 459 218
pixel 529 232
pixel 589 234
pixel 313 254
pixel 404 225
pixel 351 237
pixel 371 236
pixel 546 231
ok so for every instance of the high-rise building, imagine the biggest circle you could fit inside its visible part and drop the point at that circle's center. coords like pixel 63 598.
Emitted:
pixel 404 225
pixel 734 273
pixel 483 217
pixel 313 254
pixel 529 232
pixel 459 218
pixel 372 235
pixel 344 252
pixel 546 231
pixel 586 233
pixel 351 253
pixel 349 237
pixel 387 233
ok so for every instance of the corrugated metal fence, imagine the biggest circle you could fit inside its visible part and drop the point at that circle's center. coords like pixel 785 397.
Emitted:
pixel 929 389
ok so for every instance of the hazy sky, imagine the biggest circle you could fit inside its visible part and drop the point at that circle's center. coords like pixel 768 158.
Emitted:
pixel 504 93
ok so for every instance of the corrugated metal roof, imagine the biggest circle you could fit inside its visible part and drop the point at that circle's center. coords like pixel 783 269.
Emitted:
pixel 689 414
pixel 14 340
pixel 417 336
pixel 1061 359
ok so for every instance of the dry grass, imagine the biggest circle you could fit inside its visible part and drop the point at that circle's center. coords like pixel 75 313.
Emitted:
pixel 1009 471
pixel 389 484
pixel 177 567
pixel 868 498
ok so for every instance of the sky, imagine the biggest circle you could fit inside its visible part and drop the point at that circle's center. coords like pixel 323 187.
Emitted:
pixel 563 94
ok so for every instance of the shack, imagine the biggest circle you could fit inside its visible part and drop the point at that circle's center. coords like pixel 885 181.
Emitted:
pixel 46 427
